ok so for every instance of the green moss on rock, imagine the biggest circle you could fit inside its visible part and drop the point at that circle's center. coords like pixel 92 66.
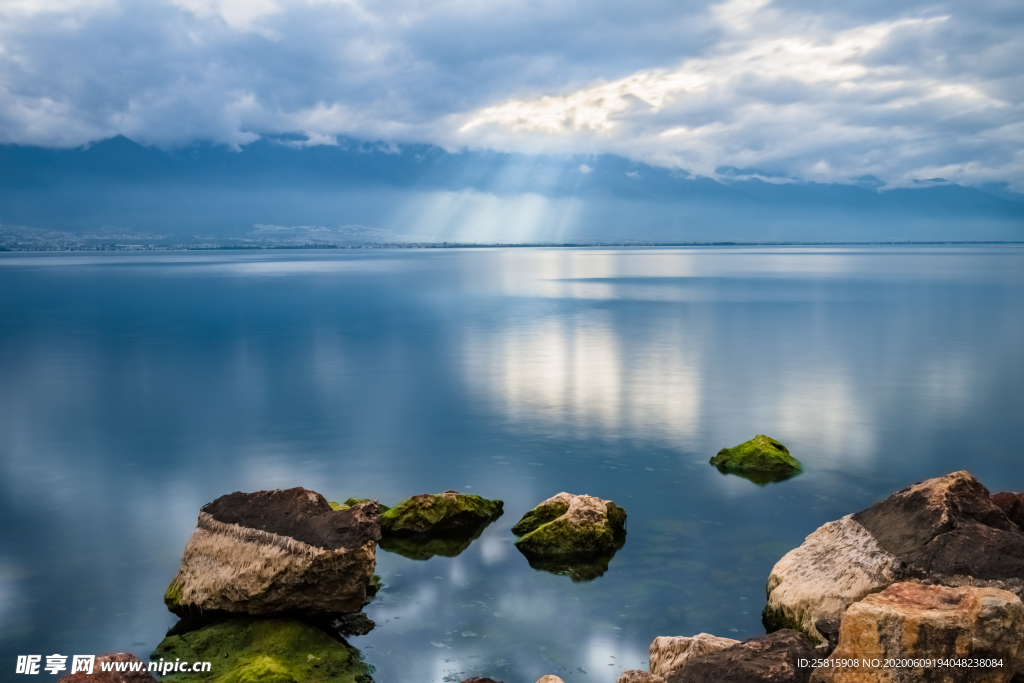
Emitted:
pixel 440 513
pixel 761 455
pixel 264 651
pixel 546 512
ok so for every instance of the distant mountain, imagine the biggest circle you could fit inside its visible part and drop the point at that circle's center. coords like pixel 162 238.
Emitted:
pixel 420 192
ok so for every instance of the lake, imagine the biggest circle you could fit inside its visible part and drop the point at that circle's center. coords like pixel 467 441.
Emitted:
pixel 136 387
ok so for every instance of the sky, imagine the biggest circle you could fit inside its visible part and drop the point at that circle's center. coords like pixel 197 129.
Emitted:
pixel 808 89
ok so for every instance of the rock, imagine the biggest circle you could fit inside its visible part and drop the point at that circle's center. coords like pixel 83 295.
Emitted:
pixel 948 527
pixel 833 568
pixel 550 679
pixel 567 525
pixel 477 679
pixel 946 530
pixel 277 552
pixel 772 659
pixel 433 514
pixel 762 460
pixel 98 675
pixel 1013 505
pixel 669 653
pixel 637 676
pixel 259 650
pixel 910 620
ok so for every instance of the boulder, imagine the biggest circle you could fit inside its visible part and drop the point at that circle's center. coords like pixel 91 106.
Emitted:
pixel 567 525
pixel 774 658
pixel 98 675
pixel 946 530
pixel 910 621
pixel 277 552
pixel 637 676
pixel 438 514
pixel 836 566
pixel 550 679
pixel 260 650
pixel 762 460
pixel 668 653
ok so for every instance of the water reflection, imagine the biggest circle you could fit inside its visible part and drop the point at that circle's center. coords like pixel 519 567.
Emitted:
pixel 576 374
pixel 423 547
pixel 134 390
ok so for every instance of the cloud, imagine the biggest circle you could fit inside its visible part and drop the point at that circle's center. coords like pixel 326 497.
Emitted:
pixel 901 91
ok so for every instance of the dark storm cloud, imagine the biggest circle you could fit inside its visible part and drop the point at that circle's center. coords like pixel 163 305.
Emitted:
pixel 814 89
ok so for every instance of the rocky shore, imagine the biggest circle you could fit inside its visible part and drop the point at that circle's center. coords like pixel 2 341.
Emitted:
pixel 935 572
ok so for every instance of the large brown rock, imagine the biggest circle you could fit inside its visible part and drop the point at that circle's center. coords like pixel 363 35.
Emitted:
pixel 947 530
pixel 948 527
pixel 668 653
pixel 916 621
pixel 775 658
pixel 98 675
pixel 277 552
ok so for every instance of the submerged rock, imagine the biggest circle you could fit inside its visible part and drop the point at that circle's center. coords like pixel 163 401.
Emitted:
pixel 98 675
pixel 763 460
pixel 442 513
pixel 277 552
pixel 570 526
pixel 909 621
pixel 670 653
pixel 772 659
pixel 946 530
pixel 260 650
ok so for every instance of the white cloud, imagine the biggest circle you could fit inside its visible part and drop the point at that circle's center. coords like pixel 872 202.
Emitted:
pixel 916 88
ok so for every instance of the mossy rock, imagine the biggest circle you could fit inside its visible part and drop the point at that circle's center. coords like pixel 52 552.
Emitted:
pixel 761 458
pixel 352 502
pixel 264 651
pixel 439 514
pixel 568 526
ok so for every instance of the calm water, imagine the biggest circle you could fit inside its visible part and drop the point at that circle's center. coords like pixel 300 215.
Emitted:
pixel 136 388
